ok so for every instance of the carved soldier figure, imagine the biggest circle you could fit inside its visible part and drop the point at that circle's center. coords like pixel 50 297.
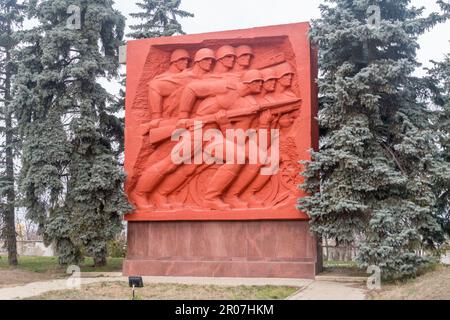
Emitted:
pixel 242 97
pixel 285 78
pixel 226 59
pixel 216 84
pixel 167 84
pixel 250 177
pixel 203 62
pixel 245 56
pixel 163 85
pixel 179 61
pixel 215 196
pixel 251 171
pixel 227 81
pixel 270 84
pixel 285 123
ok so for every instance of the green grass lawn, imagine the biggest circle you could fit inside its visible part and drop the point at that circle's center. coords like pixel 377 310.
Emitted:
pixel 50 264
pixel 340 264
pixel 343 268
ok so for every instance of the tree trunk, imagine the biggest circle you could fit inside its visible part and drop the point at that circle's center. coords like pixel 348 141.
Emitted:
pixel 10 218
pixel 319 264
pixel 99 262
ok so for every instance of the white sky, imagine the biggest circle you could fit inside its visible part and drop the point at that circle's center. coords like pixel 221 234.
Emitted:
pixel 238 14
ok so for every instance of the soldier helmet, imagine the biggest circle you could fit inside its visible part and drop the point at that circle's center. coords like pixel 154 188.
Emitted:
pixel 252 75
pixel 269 74
pixel 178 55
pixel 225 51
pixel 203 54
pixel 242 50
pixel 285 69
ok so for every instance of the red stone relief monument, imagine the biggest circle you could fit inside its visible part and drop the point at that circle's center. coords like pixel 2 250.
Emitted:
pixel 216 125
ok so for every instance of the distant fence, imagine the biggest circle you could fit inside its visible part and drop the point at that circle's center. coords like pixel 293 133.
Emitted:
pixel 333 253
pixel 31 248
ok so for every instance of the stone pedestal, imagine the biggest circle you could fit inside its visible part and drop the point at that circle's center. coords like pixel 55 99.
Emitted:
pixel 226 218
pixel 281 249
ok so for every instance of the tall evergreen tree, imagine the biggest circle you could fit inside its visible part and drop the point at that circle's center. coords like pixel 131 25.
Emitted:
pixel 71 181
pixel 11 18
pixel 439 79
pixel 442 99
pixel 373 176
pixel 159 18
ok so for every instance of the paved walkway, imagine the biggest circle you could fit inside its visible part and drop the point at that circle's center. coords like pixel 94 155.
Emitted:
pixel 325 290
pixel 37 288
pixel 309 289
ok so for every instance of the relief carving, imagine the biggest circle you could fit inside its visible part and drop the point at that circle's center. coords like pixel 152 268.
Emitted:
pixel 218 91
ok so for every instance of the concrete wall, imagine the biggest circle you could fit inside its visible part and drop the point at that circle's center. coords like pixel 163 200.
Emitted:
pixel 331 253
pixel 31 248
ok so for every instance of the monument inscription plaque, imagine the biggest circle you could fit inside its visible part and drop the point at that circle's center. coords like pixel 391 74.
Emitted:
pixel 216 127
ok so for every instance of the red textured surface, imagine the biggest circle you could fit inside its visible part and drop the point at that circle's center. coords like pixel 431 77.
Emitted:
pixel 283 249
pixel 195 240
pixel 293 40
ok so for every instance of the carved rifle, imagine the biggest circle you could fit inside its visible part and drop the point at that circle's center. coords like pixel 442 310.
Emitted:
pixel 277 108
pixel 154 135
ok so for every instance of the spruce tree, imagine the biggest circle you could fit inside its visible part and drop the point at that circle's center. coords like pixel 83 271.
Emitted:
pixel 444 122
pixel 159 18
pixel 441 90
pixel 372 179
pixel 71 180
pixel 11 18
pixel 439 80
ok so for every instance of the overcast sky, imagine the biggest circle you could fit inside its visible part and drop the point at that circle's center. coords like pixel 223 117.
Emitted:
pixel 238 14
